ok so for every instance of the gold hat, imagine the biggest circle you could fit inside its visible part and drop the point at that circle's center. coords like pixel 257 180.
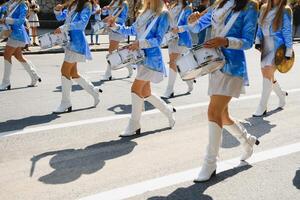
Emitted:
pixel 282 64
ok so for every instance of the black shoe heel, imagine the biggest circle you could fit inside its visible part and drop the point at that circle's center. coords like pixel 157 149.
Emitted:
pixel 257 142
pixel 110 78
pixel 174 110
pixel 138 132
pixel 8 87
pixel 264 114
pixel 39 80
pixel 194 81
pixel 101 91
pixel 286 94
pixel 69 109
pixel 212 175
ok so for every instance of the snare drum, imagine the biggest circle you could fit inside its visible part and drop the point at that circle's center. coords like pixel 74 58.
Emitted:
pixel 98 27
pixel 169 36
pixel 50 40
pixel 199 61
pixel 124 57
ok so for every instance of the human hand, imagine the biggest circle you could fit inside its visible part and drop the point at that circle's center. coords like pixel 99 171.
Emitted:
pixel 216 42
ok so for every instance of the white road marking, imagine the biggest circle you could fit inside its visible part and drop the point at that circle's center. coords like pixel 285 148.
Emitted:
pixel 189 175
pixel 117 117
pixel 95 72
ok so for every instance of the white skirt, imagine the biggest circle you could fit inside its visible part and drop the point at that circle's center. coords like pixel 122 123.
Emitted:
pixel 173 47
pixel 15 43
pixel 225 85
pixel 268 52
pixel 146 74
pixel 34 20
pixel 116 36
pixel 73 57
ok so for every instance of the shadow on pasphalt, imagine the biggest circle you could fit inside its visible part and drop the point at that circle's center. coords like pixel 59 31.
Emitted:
pixel 195 191
pixel 296 180
pixel 19 124
pixel 70 164
pixel 122 109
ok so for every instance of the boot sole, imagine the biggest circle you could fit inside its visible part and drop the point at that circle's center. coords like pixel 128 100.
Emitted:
pixel 211 176
pixel 137 132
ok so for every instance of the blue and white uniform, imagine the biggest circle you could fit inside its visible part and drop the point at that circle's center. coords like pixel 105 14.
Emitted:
pixel 271 40
pixel 230 79
pixel 75 24
pixel 180 17
pixel 15 20
pixel 153 68
pixel 121 19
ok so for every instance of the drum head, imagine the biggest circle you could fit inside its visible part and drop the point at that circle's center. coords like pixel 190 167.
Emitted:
pixel 282 64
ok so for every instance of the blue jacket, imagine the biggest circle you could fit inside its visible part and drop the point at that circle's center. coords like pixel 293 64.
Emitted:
pixel 16 22
pixel 281 36
pixel 185 38
pixel 151 45
pixel 76 29
pixel 122 18
pixel 240 37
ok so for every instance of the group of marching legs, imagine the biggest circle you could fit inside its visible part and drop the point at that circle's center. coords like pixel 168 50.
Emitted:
pixel 238 17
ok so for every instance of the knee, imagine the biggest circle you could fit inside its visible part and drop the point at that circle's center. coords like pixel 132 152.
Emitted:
pixel 74 74
pixel 66 73
pixel 137 89
pixel 214 114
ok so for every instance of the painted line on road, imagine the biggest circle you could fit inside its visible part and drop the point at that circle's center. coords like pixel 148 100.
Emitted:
pixel 189 175
pixel 118 117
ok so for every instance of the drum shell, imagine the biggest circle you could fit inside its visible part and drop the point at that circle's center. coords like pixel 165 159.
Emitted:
pixel 199 61
pixel 50 40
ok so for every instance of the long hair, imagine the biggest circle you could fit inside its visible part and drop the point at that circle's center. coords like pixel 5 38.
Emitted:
pixel 277 23
pixel 239 4
pixel 156 6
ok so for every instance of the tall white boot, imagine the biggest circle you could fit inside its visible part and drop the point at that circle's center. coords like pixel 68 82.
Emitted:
pixel 89 88
pixel 65 104
pixel 134 126
pixel 29 67
pixel 247 141
pixel 280 93
pixel 130 71
pixel 167 110
pixel 5 85
pixel 107 76
pixel 171 82
pixel 190 85
pixel 262 107
pixel 209 166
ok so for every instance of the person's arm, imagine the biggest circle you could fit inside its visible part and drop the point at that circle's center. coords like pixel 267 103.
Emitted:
pixel 248 31
pixel 202 23
pixel 21 18
pixel 121 19
pixel 287 31
pixel 61 15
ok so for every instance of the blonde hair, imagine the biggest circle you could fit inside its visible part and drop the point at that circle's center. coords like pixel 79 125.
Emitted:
pixel 266 8
pixel 156 6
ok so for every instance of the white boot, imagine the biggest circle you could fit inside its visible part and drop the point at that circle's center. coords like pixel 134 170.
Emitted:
pixel 130 71
pixel 190 85
pixel 134 126
pixel 262 107
pixel 280 93
pixel 247 141
pixel 171 81
pixel 107 76
pixel 89 88
pixel 209 166
pixel 29 67
pixel 5 85
pixel 163 107
pixel 65 104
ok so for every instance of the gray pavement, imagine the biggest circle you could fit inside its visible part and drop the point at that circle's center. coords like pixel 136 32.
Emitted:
pixel 75 155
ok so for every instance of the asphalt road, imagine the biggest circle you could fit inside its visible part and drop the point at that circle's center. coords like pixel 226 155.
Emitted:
pixel 79 154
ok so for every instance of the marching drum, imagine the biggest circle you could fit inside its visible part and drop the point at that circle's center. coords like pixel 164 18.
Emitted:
pixel 98 27
pixel 124 57
pixel 49 40
pixel 169 36
pixel 199 61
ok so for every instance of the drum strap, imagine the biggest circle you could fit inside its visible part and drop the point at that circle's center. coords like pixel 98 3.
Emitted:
pixel 229 24
pixel 149 28
pixel 180 16
pixel 13 10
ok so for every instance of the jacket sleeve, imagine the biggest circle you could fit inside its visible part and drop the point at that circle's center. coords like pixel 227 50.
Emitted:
pixel 201 24
pixel 21 18
pixel 126 30
pixel 81 24
pixel 61 15
pixel 248 29
pixel 124 14
pixel 184 20
pixel 156 39
pixel 287 32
